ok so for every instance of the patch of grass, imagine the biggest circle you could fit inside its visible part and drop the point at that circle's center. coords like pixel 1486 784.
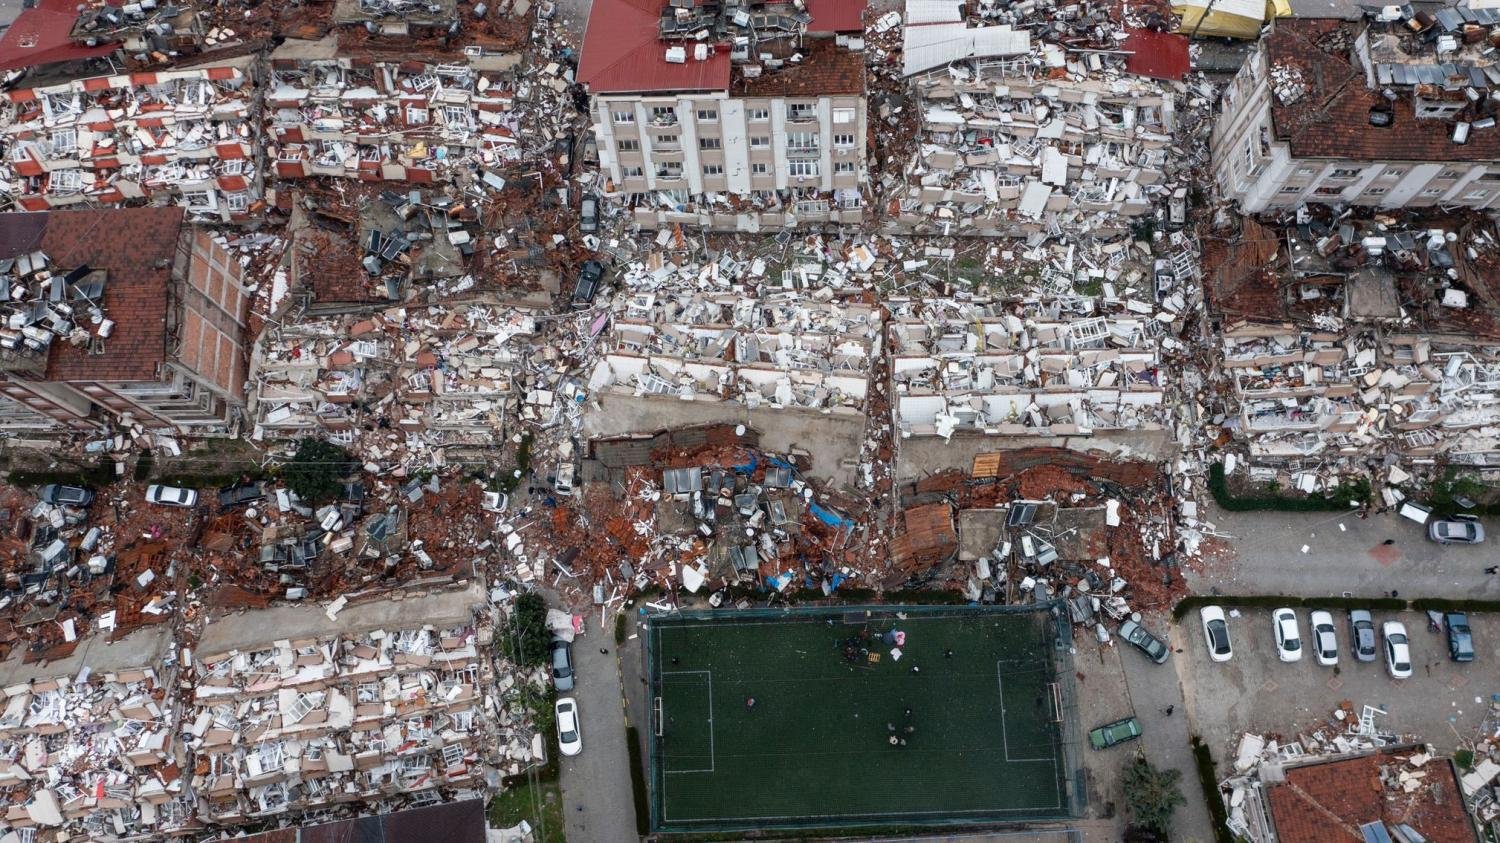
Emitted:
pixel 638 781
pixel 1218 816
pixel 1464 758
pixel 1344 498
pixel 99 473
pixel 1276 601
pixel 620 626
pixel 1453 485
pixel 507 481
pixel 144 464
pixel 539 804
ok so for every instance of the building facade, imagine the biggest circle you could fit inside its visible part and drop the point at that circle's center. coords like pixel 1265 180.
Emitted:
pixel 1361 113
pixel 723 132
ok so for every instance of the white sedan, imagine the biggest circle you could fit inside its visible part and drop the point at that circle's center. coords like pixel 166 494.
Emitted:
pixel 1397 649
pixel 569 740
pixel 1216 633
pixel 172 496
pixel 1288 639
pixel 1324 639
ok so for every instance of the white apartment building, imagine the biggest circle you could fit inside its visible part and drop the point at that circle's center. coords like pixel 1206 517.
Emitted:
pixel 1366 113
pixel 748 119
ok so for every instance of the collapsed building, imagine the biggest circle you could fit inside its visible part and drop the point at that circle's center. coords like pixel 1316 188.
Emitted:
pixel 1349 340
pixel 744 117
pixel 1034 129
pixel 1390 111
pixel 180 135
pixel 330 114
pixel 120 316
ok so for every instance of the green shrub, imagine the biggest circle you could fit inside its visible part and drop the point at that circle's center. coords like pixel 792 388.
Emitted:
pixel 1209 781
pixel 1276 601
pixel 1443 604
pixel 1153 795
pixel 94 475
pixel 638 782
pixel 620 626
pixel 526 632
pixel 1345 497
pixel 317 471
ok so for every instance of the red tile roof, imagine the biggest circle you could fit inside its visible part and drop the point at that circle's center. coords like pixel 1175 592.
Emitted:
pixel 40 35
pixel 1326 803
pixel 623 53
pixel 825 69
pixel 1158 55
pixel 1333 119
pixel 135 246
pixel 836 15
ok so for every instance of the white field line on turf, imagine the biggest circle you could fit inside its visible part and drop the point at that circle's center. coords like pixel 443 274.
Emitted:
pixel 710 675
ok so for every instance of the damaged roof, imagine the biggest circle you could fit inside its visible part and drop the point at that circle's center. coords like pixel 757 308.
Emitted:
pixel 623 53
pixel 42 35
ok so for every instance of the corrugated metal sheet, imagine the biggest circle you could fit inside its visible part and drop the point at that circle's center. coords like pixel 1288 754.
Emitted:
pixel 940 44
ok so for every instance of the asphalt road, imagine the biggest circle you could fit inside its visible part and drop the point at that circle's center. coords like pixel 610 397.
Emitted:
pixel 1344 553
pixel 598 804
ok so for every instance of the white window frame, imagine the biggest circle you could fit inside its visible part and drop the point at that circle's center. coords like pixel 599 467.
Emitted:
pixel 628 145
pixel 760 142
pixel 802 169
pixel 843 167
pixel 707 144
pixel 1476 195
pixel 844 141
pixel 624 116
pixel 760 168
pixel 760 115
pixel 713 169
pixel 844 115
pixel 708 115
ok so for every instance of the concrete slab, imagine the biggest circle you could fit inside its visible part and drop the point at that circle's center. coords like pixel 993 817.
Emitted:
pixel 925 456
pixel 142 648
pixel 395 610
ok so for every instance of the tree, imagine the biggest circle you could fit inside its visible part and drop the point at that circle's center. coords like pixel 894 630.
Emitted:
pixel 527 632
pixel 316 472
pixel 1153 795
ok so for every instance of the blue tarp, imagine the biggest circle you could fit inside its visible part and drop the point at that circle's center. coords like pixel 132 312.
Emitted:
pixel 749 467
pixel 779 581
pixel 829 517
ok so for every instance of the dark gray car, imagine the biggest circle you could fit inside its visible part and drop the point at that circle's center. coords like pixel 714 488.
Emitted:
pixel 1460 637
pixel 1144 641
pixel 66 495
pixel 562 664
pixel 1362 635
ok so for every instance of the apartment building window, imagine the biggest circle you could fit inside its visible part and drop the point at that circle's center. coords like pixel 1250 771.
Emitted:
pixel 802 141
pixel 416 115
pixel 843 115
pixel 1343 173
pixel 1291 190
pixel 1490 177
pixel 665 142
pixel 710 143
pixel 669 170
pixel 1476 195
pixel 760 115
pixel 802 169
pixel 713 169
pixel 1304 171
pixel 843 141
pixel 663 115
pixel 843 167
pixel 1393 173
pixel 1433 191
pixel 1329 191
pixel 630 145
pixel 1376 191
pixel 708 115
pixel 802 111
pixel 759 169
pixel 633 172
pixel 624 116
pixel 456 115
pixel 237 202
pixel 64 141
pixel 760 142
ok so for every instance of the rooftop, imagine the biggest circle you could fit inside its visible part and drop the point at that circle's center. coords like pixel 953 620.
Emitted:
pixel 1322 106
pixel 135 248
pixel 1323 802
pixel 42 35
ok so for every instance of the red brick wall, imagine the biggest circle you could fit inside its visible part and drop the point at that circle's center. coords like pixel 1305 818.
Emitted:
pixel 215 310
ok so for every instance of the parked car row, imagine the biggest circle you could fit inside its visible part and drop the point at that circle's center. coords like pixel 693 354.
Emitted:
pixel 1363 643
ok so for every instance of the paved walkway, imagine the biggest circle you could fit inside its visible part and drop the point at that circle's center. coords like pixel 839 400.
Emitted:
pixel 598 804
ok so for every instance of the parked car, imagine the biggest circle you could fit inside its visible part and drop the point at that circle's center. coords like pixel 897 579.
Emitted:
pixel 1145 641
pixel 562 664
pixel 1216 633
pixel 563 482
pixel 1288 638
pixel 1112 734
pixel 1460 529
pixel 569 738
pixel 171 496
pixel 1397 649
pixel 588 215
pixel 58 495
pixel 1362 635
pixel 1324 640
pixel 1460 637
pixel 240 495
pixel 589 277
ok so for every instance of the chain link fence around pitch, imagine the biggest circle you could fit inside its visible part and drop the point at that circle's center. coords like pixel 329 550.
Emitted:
pixel 861 715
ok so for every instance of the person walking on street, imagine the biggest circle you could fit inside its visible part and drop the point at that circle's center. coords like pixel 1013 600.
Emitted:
pixel 1169 709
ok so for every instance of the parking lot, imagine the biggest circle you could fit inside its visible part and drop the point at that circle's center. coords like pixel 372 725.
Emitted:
pixel 1255 691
